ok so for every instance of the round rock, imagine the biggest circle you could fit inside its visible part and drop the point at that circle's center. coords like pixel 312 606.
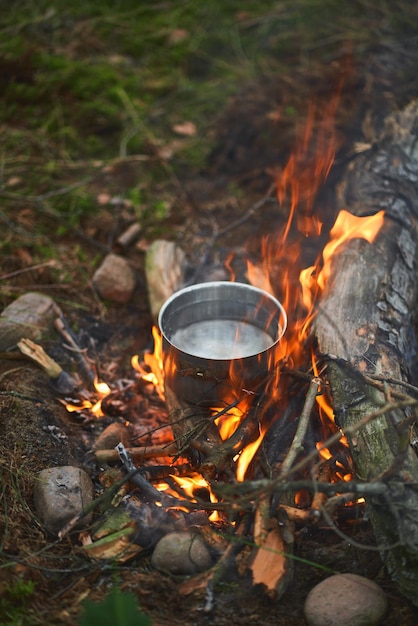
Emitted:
pixel 61 493
pixel 345 600
pixel 115 279
pixel 181 553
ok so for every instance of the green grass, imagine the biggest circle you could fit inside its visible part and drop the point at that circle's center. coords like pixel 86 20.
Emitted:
pixel 14 601
pixel 90 81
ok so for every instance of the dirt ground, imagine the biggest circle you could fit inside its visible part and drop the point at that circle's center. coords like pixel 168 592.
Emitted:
pixel 38 432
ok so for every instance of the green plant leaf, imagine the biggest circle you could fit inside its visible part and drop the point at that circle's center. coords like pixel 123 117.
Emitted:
pixel 117 609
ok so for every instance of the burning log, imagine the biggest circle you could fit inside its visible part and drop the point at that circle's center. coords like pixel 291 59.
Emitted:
pixel 364 327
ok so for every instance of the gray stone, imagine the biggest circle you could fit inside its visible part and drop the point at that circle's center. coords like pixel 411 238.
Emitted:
pixel 61 493
pixel 345 600
pixel 31 316
pixel 181 553
pixel 115 279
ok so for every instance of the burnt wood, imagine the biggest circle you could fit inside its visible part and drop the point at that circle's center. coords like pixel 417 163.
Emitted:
pixel 365 326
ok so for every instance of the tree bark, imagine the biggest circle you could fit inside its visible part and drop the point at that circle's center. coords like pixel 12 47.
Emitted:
pixel 365 325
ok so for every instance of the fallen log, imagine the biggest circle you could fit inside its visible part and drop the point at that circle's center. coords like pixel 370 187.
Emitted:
pixel 365 327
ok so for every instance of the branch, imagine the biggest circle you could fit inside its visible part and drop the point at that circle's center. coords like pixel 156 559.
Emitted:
pixel 297 443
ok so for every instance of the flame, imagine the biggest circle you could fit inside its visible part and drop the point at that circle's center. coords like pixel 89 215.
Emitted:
pixel 228 421
pixel 297 186
pixel 308 167
pixel 247 456
pixel 154 361
pixel 196 481
pixel 95 408
pixel 282 272
pixel 347 227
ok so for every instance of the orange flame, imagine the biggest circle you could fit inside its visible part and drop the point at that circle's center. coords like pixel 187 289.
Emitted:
pixel 196 481
pixel 247 456
pixel 228 422
pixel 347 227
pixel 154 361
pixel 102 390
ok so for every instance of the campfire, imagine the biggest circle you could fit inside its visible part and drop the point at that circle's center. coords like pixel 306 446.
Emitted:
pixel 230 420
pixel 273 405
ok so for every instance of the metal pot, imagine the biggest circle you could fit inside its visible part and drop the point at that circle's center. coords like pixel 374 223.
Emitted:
pixel 219 338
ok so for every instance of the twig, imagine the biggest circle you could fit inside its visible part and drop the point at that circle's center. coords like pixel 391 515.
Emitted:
pixel 373 379
pixel 105 498
pixel 36 353
pixel 250 490
pixel 377 381
pixel 297 443
pixel 37 266
pixel 218 571
pixel 44 196
pixel 88 372
pixel 249 213
pixel 351 540
pixel 300 516
pixel 149 491
pixel 12 371
pixel 22 396
pixel 351 430
pixel 341 499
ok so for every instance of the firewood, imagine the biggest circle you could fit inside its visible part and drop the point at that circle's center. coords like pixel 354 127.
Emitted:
pixel 61 381
pixel 165 267
pixel 137 454
pixel 365 326
pixel 322 474
pixel 129 235
pixel 271 563
pixel 197 436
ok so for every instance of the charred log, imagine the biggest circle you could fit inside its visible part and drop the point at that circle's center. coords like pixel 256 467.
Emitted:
pixel 365 326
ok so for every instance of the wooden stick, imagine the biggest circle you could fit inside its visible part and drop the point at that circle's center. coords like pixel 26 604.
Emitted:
pixel 143 452
pixel 319 474
pixel 297 444
pixel 36 353
pixel 87 371
pixel 300 516
pixel 61 380
pixel 270 562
